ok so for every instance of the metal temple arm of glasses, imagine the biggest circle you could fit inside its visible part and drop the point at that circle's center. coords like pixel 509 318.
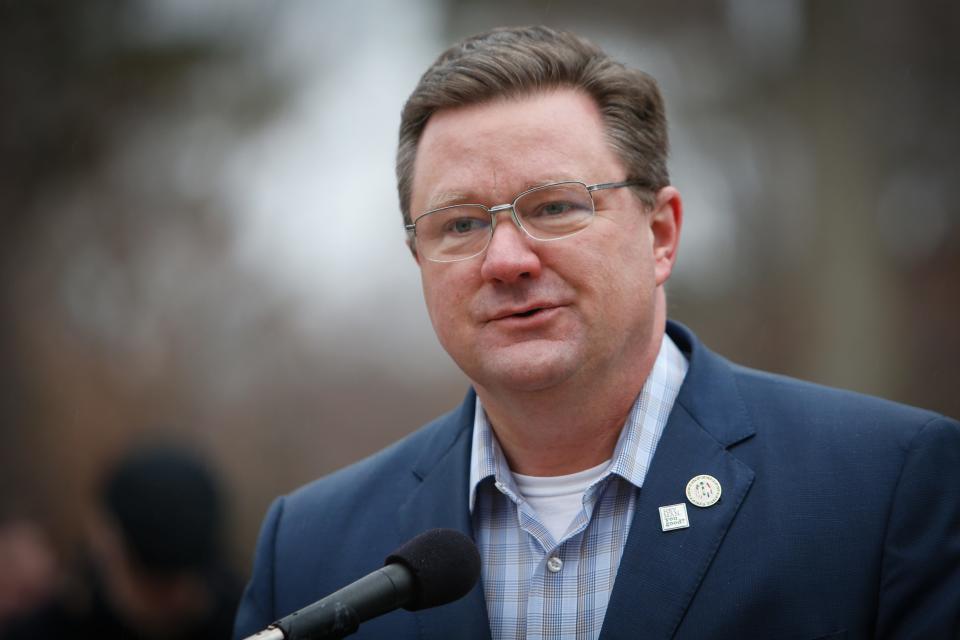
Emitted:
pixel 616 185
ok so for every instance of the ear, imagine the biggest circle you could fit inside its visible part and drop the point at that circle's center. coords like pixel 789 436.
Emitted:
pixel 666 220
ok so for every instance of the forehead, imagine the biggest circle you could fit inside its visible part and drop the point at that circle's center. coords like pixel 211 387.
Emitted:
pixel 491 151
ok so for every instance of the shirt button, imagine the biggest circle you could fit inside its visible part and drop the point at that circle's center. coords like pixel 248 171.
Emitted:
pixel 554 564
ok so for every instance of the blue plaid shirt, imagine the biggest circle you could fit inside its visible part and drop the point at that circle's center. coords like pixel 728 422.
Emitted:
pixel 540 588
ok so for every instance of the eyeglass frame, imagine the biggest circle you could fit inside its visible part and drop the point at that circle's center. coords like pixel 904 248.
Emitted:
pixel 494 210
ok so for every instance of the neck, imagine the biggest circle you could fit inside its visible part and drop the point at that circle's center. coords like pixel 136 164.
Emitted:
pixel 572 427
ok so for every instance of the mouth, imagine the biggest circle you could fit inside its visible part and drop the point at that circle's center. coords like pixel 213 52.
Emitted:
pixel 526 312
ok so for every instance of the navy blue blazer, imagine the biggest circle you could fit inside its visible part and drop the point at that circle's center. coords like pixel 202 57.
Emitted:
pixel 839 518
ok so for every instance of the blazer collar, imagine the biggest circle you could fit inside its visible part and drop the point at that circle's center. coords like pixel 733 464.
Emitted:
pixel 709 392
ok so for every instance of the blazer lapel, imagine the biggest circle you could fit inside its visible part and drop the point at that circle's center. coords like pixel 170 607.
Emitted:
pixel 441 500
pixel 660 571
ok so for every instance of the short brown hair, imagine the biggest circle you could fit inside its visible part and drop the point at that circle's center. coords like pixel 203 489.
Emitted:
pixel 518 61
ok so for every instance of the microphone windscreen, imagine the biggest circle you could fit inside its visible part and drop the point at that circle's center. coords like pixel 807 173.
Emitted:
pixel 445 564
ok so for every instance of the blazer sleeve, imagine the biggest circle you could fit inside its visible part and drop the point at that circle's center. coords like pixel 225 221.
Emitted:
pixel 257 605
pixel 920 571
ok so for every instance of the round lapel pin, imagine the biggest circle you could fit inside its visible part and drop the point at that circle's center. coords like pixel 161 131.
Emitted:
pixel 703 491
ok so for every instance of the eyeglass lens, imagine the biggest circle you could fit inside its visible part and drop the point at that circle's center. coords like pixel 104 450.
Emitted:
pixel 545 213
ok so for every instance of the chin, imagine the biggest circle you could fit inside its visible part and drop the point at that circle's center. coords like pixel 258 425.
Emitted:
pixel 529 366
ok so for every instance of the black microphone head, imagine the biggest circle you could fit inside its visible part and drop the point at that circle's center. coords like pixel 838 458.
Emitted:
pixel 445 565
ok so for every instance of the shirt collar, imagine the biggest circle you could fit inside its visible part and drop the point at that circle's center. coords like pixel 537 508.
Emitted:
pixel 638 437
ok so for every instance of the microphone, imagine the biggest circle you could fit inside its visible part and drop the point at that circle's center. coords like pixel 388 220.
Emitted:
pixel 434 568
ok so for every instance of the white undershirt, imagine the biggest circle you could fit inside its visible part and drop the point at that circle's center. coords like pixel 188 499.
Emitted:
pixel 558 499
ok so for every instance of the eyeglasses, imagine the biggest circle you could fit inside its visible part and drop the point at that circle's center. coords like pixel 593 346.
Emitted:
pixel 550 212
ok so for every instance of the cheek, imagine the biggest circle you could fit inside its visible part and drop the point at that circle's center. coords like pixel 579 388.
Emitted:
pixel 431 298
pixel 622 256
pixel 446 301
pixel 635 264
pixel 616 285
pixel 617 270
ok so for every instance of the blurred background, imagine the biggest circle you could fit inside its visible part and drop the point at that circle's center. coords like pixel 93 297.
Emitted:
pixel 201 241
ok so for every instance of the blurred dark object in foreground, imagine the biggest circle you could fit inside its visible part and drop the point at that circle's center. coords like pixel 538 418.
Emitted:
pixel 153 565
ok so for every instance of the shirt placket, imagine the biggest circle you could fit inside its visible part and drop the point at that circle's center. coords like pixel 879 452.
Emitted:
pixel 553 597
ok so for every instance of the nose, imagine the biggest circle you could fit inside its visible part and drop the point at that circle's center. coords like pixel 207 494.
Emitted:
pixel 510 256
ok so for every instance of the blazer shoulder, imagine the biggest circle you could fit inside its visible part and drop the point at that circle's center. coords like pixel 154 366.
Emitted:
pixel 709 387
pixel 392 470
pixel 767 395
pixel 734 403
pixel 335 529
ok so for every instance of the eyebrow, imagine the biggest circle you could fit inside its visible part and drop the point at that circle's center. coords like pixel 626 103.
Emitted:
pixel 446 199
pixel 451 198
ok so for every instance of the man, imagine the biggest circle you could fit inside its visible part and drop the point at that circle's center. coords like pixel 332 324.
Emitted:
pixel 152 568
pixel 621 480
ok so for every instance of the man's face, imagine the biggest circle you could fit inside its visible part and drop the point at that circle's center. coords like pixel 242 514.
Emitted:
pixel 529 315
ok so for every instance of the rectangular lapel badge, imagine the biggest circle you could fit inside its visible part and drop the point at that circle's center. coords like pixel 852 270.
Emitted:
pixel 674 516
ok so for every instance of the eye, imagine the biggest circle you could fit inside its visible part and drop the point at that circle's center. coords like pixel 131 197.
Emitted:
pixel 554 208
pixel 464 225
